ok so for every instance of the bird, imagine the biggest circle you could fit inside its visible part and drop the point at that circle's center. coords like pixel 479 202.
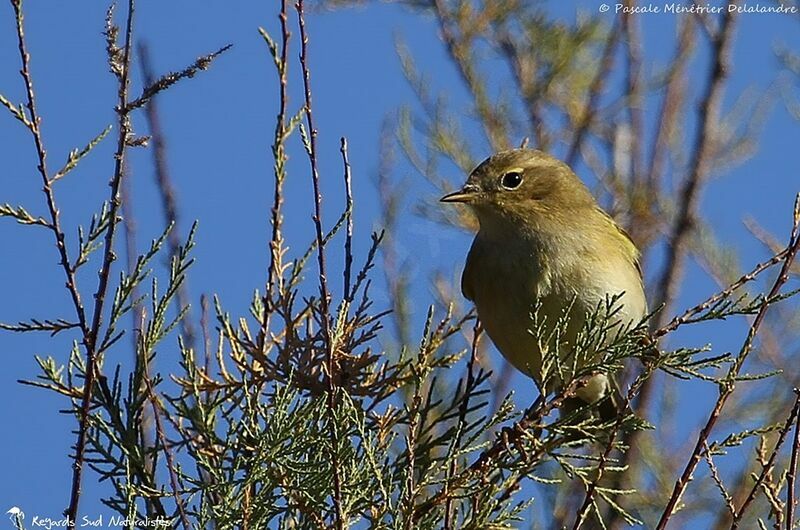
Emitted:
pixel 545 247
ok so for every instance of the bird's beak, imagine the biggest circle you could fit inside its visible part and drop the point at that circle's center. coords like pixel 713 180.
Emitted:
pixel 466 194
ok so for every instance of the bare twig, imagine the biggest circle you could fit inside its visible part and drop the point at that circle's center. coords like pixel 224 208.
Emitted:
pixel 692 312
pixel 667 285
pixel 519 64
pixel 650 177
pixel 393 269
pixel 348 242
pixel 124 125
pixel 137 313
pixel 279 155
pixel 323 282
pixel 204 327
pixel 130 231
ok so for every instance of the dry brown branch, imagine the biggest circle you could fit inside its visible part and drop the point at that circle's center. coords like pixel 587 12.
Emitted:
pixel 394 274
pixel 324 292
pixel 633 82
pixel 524 79
pixel 667 285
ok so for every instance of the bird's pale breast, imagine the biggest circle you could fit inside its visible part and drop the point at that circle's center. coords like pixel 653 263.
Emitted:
pixel 505 279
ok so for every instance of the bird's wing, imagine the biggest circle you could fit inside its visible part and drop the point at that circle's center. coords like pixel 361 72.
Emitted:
pixel 633 250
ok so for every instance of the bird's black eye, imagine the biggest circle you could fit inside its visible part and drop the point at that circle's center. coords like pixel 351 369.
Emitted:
pixel 511 180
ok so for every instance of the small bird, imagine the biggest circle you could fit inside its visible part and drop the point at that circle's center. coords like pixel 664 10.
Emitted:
pixel 545 245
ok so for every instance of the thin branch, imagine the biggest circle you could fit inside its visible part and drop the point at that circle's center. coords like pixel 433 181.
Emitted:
pixel 50 326
pixel 109 256
pixel 692 312
pixel 138 311
pixel 323 282
pixel 527 86
pixel 167 80
pixel 407 495
pixel 71 284
pixel 784 432
pixel 718 480
pixel 667 116
pixel 279 155
pixel 393 270
pixel 538 410
pixel 158 410
pixel 22 216
pixel 206 334
pixel 591 491
pixel 791 476
pixel 348 212
pixel 644 380
pixel 76 155
pixel 727 386
pixel 667 285
pixel 462 420
pixel 36 133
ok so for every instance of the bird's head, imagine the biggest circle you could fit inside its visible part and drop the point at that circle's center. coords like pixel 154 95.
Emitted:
pixel 522 185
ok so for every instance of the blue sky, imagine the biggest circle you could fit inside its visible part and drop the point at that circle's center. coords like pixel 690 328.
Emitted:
pixel 219 127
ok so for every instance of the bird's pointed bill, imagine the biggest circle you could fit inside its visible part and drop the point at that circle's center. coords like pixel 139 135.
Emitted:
pixel 465 194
